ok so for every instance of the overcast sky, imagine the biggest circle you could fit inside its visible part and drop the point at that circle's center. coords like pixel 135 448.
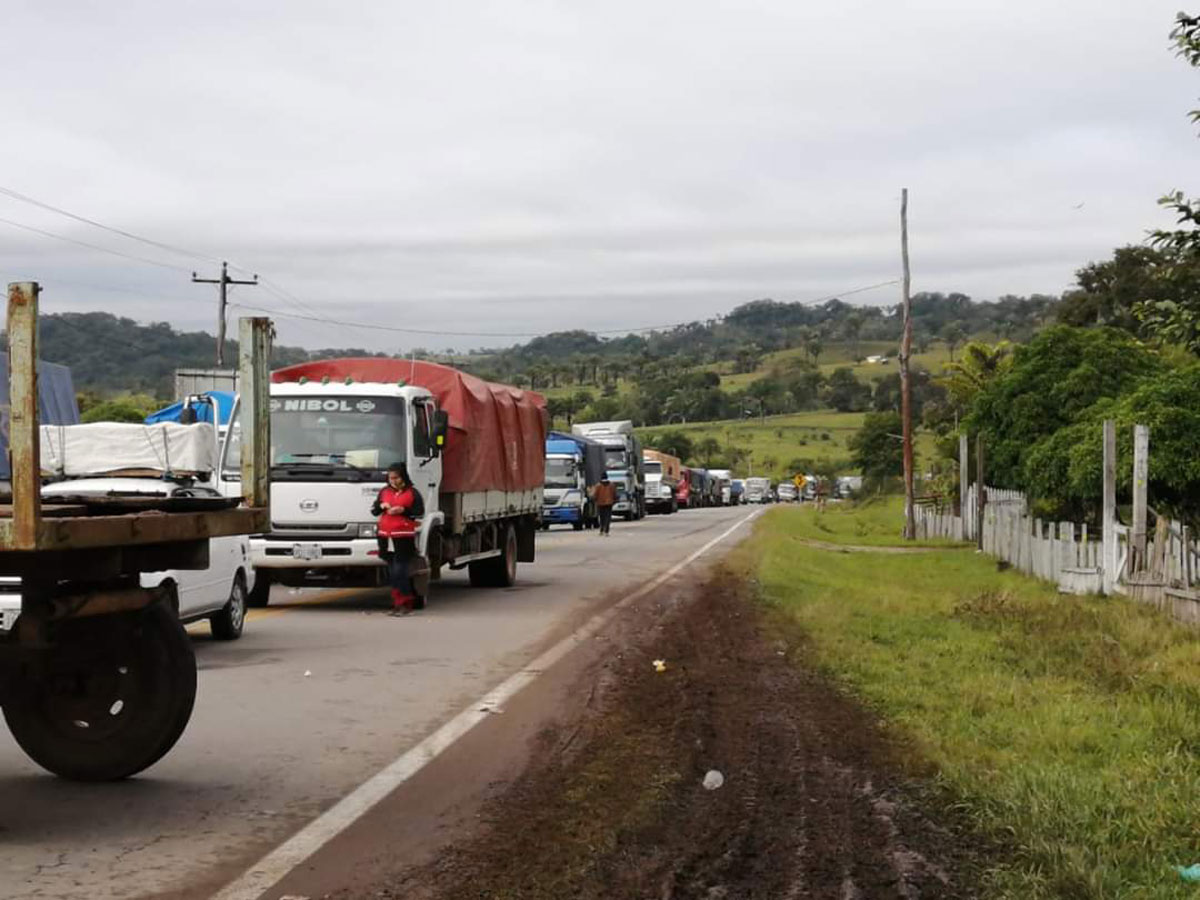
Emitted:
pixel 534 166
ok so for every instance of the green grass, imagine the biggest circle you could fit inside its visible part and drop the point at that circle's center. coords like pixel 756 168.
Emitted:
pixel 1064 728
pixel 874 522
pixel 781 439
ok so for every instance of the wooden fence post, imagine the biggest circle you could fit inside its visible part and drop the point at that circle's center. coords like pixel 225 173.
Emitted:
pixel 1141 471
pixel 1108 526
pixel 979 491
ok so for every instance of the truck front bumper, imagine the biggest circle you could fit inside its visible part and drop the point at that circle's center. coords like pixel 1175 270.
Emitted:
pixel 562 514
pixel 290 553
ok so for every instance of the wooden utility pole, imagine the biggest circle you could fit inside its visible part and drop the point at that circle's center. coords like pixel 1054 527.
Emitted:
pixel 222 296
pixel 910 525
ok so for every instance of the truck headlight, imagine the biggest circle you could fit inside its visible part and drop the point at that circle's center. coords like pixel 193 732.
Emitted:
pixel 366 530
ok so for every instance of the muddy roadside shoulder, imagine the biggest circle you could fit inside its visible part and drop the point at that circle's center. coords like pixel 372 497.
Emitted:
pixel 817 799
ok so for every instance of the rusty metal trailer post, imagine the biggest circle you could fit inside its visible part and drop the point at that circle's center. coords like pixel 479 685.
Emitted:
pixel 98 678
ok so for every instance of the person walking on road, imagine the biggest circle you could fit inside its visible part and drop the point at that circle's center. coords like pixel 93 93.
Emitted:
pixel 605 495
pixel 398 506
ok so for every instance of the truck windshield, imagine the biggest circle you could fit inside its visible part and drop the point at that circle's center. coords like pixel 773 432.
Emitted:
pixel 338 437
pixel 653 468
pixel 614 458
pixel 560 473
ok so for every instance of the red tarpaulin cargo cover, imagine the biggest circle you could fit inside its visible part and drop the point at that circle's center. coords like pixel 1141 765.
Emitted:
pixel 497 439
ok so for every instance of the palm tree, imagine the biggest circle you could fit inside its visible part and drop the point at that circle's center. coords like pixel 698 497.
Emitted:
pixel 978 365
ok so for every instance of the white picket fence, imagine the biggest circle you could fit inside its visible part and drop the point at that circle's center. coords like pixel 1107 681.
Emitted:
pixel 1072 557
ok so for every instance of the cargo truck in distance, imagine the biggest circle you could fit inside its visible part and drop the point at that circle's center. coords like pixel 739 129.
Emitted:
pixel 758 490
pixel 622 461
pixel 723 490
pixel 662 480
pixel 475 452
pixel 574 465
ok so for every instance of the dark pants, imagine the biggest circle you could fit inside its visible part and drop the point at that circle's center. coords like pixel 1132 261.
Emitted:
pixel 397 558
pixel 605 513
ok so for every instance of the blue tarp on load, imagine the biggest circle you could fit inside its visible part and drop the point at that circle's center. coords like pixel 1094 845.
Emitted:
pixel 56 402
pixel 223 400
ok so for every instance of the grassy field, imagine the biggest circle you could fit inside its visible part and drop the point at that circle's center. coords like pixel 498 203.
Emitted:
pixel 1064 729
pixel 773 444
pixel 875 522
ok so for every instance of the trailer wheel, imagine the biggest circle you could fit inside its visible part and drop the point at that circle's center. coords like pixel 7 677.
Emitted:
pixel 260 596
pixel 113 697
pixel 499 571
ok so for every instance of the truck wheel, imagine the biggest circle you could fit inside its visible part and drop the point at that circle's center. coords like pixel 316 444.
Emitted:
pixel 227 624
pixel 499 571
pixel 115 695
pixel 674 508
pixel 578 525
pixel 261 595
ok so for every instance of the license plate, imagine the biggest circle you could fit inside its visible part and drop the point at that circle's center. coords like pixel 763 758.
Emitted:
pixel 8 618
pixel 306 551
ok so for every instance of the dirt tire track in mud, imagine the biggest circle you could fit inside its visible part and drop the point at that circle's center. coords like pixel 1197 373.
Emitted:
pixel 612 806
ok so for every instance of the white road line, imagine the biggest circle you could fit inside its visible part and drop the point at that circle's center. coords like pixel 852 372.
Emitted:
pixel 312 837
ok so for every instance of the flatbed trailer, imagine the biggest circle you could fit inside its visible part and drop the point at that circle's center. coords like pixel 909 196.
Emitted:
pixel 98 677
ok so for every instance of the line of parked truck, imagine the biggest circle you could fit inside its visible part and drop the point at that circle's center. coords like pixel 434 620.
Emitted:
pixel 481 455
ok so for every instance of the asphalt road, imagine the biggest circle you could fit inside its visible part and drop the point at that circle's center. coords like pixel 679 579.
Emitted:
pixel 322 691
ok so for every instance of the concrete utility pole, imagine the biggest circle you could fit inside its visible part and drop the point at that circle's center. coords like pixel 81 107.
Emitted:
pixel 910 525
pixel 222 285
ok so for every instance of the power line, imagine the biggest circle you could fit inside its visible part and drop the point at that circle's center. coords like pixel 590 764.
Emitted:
pixel 96 247
pixel 24 198
pixel 374 326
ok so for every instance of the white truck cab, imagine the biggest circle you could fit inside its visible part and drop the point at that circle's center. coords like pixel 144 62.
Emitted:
pixel 331 445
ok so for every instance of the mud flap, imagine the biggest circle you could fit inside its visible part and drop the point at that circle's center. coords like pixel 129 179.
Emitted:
pixel 526 529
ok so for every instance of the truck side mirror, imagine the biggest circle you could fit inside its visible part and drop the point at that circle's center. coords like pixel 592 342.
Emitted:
pixel 441 424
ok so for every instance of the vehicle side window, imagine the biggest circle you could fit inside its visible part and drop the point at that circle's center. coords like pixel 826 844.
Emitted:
pixel 422 431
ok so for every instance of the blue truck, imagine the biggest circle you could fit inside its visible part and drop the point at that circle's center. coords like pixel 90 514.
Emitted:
pixel 574 465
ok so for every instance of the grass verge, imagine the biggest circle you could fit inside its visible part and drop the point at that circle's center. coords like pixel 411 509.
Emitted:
pixel 1065 727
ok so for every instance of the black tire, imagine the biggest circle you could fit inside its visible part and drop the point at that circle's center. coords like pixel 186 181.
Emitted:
pixel 578 526
pixel 261 595
pixel 499 571
pixel 116 695
pixel 227 624
pixel 674 508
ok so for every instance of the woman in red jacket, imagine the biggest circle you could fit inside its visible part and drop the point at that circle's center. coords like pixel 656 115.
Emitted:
pixel 398 506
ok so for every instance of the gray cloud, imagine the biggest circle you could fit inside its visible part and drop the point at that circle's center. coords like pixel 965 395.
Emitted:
pixel 544 165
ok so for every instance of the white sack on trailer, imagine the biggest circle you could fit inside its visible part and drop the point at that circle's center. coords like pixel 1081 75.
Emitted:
pixel 99 448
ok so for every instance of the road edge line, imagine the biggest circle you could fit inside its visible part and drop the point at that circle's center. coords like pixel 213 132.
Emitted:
pixel 273 867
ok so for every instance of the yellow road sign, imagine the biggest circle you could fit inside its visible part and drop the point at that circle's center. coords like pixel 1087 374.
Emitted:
pixel 799 481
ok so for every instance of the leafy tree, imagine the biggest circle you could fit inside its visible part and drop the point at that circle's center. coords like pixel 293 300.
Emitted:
pixel 707 449
pixel 672 441
pixel 845 393
pixel 954 333
pixel 1052 380
pixel 1066 469
pixel 1177 319
pixel 876 448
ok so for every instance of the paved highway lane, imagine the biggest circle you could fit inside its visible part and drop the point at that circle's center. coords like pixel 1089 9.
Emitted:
pixel 322 691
